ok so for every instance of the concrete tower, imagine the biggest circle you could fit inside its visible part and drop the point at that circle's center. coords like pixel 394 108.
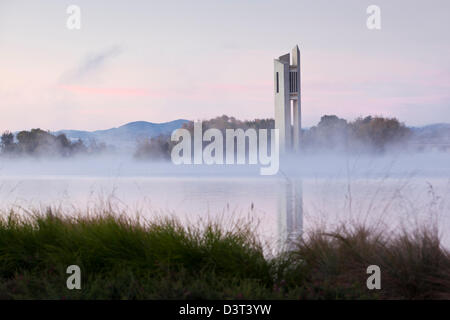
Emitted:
pixel 287 98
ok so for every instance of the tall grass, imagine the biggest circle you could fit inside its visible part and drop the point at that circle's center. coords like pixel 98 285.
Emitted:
pixel 123 258
pixel 413 265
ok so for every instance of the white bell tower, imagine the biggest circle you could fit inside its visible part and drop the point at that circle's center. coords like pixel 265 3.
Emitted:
pixel 287 98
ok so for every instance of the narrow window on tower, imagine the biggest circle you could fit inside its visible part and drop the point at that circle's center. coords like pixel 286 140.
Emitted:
pixel 278 84
pixel 290 81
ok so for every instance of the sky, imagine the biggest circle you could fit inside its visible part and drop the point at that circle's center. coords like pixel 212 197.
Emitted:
pixel 164 60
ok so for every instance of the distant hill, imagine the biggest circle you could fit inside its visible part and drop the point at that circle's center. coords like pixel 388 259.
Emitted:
pixel 127 135
pixel 433 133
pixel 131 132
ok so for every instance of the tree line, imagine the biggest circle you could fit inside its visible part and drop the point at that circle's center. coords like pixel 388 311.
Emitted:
pixel 371 134
pixel 38 142
pixel 368 135
pixel 160 147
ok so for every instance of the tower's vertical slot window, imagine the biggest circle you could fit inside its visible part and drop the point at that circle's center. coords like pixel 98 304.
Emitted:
pixel 290 81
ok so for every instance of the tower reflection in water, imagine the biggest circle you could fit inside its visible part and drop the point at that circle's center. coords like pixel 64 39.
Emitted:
pixel 290 212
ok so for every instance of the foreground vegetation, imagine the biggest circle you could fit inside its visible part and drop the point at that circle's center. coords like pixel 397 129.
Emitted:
pixel 130 259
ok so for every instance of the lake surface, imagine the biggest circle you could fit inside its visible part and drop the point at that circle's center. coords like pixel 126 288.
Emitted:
pixel 308 193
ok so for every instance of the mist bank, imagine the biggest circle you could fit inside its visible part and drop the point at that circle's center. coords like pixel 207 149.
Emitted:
pixel 371 135
pixel 430 164
pixel 369 146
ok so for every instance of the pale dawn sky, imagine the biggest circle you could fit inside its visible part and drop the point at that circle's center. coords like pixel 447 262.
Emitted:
pixel 164 60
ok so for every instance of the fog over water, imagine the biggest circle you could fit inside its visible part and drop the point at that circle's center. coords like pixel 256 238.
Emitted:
pixel 318 190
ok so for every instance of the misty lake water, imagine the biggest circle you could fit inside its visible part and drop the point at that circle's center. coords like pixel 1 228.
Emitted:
pixel 391 192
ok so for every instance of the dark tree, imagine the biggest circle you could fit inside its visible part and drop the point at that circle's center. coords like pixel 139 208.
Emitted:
pixel 7 142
